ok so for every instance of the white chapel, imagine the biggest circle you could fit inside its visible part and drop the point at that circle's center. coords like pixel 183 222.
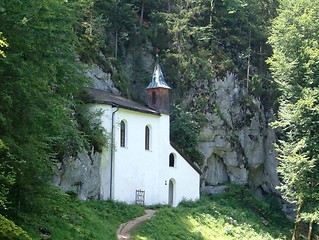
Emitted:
pixel 140 165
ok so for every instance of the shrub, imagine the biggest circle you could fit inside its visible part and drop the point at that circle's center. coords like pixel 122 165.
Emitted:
pixel 9 230
pixel 184 133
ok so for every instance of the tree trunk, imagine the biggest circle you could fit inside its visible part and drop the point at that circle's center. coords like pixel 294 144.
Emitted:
pixel 310 230
pixel 116 43
pixel 296 233
pixel 248 59
pixel 142 14
pixel 212 5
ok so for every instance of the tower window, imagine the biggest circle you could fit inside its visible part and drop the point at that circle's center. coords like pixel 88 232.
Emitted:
pixel 123 134
pixel 171 160
pixel 154 98
pixel 147 138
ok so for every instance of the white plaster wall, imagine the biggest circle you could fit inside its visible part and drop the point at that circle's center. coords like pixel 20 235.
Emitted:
pixel 163 158
pixel 187 180
pixel 134 167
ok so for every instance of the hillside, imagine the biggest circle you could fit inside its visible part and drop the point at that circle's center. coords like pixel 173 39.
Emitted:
pixel 61 216
pixel 237 214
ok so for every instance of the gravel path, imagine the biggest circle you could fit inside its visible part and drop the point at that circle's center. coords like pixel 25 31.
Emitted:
pixel 124 230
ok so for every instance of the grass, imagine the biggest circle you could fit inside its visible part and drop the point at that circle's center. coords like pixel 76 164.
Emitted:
pixel 210 219
pixel 64 217
pixel 61 216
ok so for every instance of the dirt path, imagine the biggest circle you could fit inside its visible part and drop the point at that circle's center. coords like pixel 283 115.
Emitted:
pixel 124 230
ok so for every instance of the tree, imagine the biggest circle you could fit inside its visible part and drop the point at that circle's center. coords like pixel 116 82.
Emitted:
pixel 210 38
pixel 120 16
pixel 295 67
pixel 91 30
pixel 144 8
pixel 39 79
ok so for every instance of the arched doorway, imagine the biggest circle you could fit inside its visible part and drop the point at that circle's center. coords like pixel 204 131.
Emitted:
pixel 171 191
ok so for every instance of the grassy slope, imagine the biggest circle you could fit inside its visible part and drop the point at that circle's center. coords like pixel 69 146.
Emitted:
pixel 60 216
pixel 64 217
pixel 209 219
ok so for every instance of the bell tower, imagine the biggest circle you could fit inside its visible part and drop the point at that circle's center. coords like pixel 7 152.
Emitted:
pixel 158 91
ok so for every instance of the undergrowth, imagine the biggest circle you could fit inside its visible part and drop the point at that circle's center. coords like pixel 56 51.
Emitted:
pixel 237 214
pixel 61 216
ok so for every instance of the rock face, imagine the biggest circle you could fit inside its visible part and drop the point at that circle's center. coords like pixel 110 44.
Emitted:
pixel 236 141
pixel 100 79
pixel 80 175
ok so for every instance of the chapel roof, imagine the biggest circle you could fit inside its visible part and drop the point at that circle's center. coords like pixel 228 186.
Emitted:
pixel 101 96
pixel 158 80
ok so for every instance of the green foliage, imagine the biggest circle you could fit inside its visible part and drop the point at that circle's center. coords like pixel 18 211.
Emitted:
pixel 266 89
pixel 2 44
pixel 91 30
pixel 210 38
pixel 295 46
pixel 185 132
pixel 60 216
pixel 10 231
pixel 7 173
pixel 294 66
pixel 187 53
pixel 38 80
pixel 210 217
pixel 90 124
pixel 298 153
pixel 268 208
pixel 120 19
pixel 198 40
pixel 122 83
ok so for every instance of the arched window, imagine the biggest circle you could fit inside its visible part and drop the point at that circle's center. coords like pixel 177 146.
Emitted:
pixel 147 138
pixel 123 134
pixel 154 98
pixel 171 160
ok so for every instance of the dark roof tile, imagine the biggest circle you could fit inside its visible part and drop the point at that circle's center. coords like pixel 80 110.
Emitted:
pixel 100 96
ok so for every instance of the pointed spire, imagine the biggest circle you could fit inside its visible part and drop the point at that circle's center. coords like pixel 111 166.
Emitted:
pixel 158 80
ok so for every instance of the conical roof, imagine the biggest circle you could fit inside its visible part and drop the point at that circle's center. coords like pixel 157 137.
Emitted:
pixel 158 80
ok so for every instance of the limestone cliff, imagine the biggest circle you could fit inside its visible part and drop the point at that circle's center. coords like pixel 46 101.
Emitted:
pixel 237 142
pixel 80 175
